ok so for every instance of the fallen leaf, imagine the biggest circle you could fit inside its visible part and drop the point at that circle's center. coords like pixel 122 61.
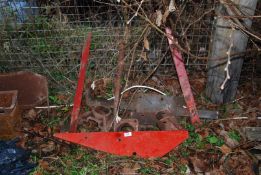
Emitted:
pixel 225 149
pixel 79 156
pixel 239 163
pixel 126 170
pixel 159 17
pixel 30 115
pixel 62 97
pixel 215 171
pixel 199 164
pixel 203 132
pixel 47 148
pixel 43 133
pixel 38 127
pixel 183 161
pixel 198 84
pixel 101 155
pixel 44 164
pixel 136 166
pixel 37 139
pixel 146 43
pixel 129 169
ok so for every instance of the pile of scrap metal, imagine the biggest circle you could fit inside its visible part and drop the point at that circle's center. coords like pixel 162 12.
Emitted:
pixel 134 136
pixel 145 112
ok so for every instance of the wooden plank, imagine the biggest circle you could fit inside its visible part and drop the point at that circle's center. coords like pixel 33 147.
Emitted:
pixel 219 48
pixel 253 133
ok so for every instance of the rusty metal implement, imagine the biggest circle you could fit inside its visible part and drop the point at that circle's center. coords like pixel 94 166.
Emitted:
pixel 32 88
pixel 146 144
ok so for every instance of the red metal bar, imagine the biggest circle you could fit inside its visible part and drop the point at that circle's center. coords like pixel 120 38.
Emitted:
pixel 183 78
pixel 146 144
pixel 80 85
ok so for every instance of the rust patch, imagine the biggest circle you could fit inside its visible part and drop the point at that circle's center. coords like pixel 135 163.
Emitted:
pixel 5 100
pixel 10 115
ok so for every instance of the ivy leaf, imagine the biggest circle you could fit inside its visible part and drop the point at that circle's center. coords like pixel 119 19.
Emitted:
pixel 212 139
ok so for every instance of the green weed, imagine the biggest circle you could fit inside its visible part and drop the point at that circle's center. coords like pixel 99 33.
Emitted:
pixel 214 140
pixel 183 169
pixel 54 99
pixel 148 170
pixel 234 135
pixel 194 138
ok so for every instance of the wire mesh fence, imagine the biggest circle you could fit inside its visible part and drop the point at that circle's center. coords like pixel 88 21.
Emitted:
pixel 47 37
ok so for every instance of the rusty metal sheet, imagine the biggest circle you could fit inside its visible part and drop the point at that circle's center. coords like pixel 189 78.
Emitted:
pixel 10 115
pixel 32 88
pixel 150 104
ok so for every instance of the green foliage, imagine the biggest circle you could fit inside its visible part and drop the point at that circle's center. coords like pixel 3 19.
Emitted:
pixel 51 122
pixel 81 163
pixel 214 140
pixel 145 170
pixel 109 90
pixel 169 161
pixel 234 135
pixel 58 76
pixel 148 170
pixel 65 109
pixel 54 99
pixel 183 169
pixel 38 36
pixel 184 153
pixel 194 138
pixel 86 109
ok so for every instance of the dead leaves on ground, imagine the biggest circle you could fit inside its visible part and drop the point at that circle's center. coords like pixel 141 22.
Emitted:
pixel 212 159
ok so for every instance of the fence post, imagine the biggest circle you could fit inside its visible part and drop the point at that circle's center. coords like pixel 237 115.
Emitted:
pixel 223 38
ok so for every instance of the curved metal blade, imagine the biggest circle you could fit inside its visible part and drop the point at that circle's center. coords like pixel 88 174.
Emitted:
pixel 146 144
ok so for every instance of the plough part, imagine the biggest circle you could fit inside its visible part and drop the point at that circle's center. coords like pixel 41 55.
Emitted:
pixel 80 85
pixel 146 144
pixel 183 78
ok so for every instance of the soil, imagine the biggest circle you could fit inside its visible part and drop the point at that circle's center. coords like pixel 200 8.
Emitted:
pixel 6 100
